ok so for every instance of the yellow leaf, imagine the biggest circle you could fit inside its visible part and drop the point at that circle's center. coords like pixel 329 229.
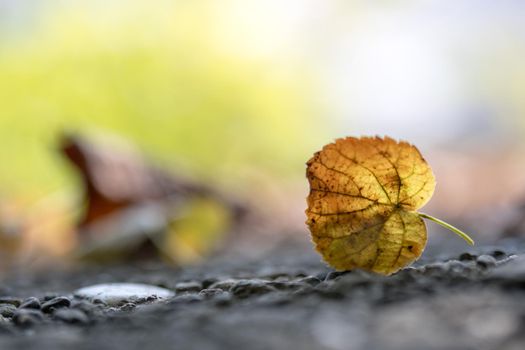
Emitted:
pixel 364 193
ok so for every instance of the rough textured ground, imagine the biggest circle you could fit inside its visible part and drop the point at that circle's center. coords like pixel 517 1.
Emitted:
pixel 286 299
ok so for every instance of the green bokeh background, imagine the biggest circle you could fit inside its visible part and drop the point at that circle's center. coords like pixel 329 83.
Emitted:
pixel 157 75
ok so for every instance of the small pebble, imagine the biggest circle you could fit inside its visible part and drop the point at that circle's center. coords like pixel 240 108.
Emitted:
pixel 30 303
pixel 191 287
pixel 456 266
pixel 212 292
pixel 146 299
pixel 434 269
pixel 512 272
pixel 10 300
pixel 121 293
pixel 224 285
pixel 56 303
pixel 7 310
pixel 27 317
pixel 467 257
pixel 74 316
pixel 486 261
pixel 128 307
pixel 246 288
pixel 86 307
pixel 498 254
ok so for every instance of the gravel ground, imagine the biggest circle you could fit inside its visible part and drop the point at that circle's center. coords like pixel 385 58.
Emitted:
pixel 286 299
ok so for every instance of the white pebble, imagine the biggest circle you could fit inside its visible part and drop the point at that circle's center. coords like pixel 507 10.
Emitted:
pixel 116 293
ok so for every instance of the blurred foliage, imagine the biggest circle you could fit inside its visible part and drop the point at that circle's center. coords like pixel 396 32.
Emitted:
pixel 198 231
pixel 156 73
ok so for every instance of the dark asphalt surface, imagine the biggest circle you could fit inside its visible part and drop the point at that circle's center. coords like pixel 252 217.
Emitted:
pixel 286 299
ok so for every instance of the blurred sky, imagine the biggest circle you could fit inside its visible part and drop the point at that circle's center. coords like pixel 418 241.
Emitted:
pixel 238 85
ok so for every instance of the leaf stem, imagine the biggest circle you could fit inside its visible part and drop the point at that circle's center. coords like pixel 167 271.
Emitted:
pixel 449 226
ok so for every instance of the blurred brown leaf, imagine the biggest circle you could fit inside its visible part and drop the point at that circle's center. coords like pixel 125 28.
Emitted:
pixel 132 204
